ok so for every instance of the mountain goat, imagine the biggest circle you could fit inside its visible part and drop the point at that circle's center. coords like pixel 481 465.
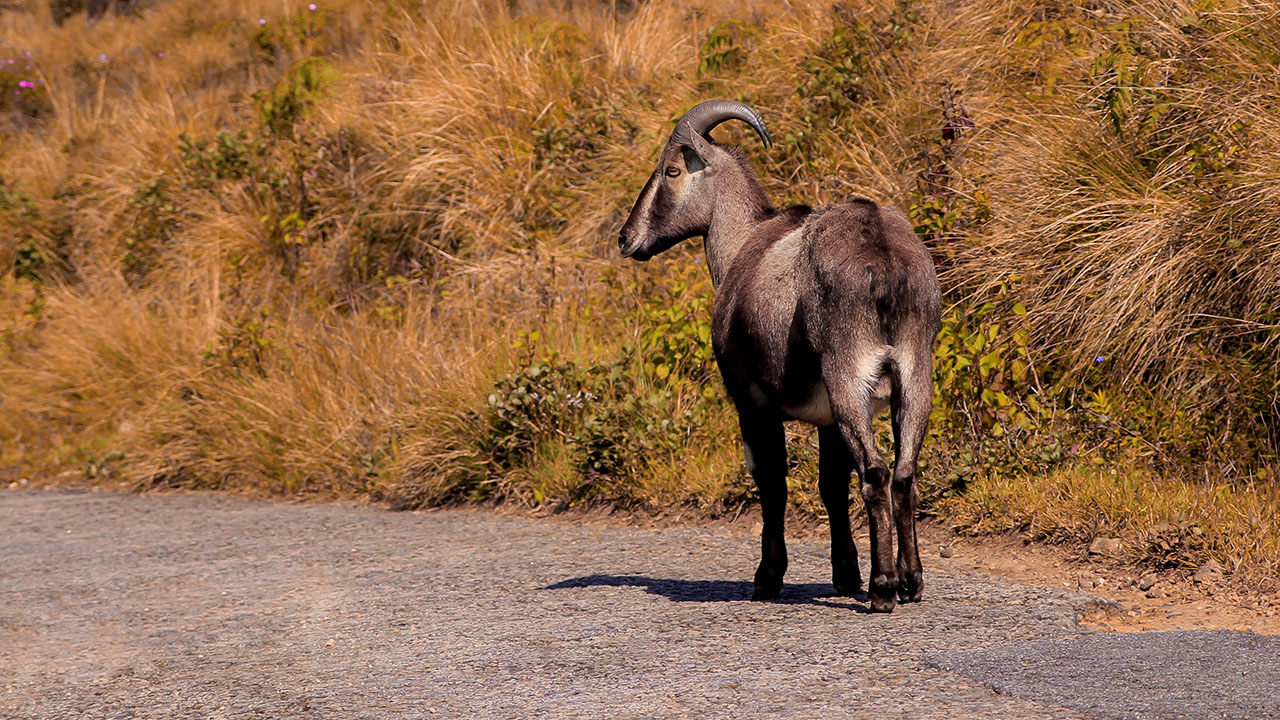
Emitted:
pixel 822 316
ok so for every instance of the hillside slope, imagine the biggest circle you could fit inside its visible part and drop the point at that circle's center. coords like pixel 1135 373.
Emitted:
pixel 363 248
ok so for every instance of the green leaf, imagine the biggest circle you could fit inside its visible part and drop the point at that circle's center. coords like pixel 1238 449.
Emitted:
pixel 990 361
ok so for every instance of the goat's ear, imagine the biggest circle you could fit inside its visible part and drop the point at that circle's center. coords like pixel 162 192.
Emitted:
pixel 693 162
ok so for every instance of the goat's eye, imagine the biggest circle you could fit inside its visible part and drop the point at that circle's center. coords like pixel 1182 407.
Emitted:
pixel 672 171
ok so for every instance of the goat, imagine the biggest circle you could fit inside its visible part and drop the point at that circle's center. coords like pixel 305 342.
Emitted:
pixel 823 316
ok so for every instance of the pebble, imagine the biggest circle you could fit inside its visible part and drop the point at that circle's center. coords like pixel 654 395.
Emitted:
pixel 1211 570
pixel 1146 582
pixel 1108 547
pixel 946 551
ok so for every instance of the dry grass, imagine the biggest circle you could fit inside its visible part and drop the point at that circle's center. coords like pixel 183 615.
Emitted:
pixel 1163 522
pixel 323 305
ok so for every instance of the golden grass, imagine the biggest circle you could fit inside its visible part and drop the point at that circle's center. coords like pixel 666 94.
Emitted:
pixel 1162 522
pixel 331 320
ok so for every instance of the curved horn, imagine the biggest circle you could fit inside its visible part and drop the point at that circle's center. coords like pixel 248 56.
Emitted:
pixel 704 116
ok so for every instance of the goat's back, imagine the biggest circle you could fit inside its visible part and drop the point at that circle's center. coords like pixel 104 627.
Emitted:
pixel 871 275
pixel 849 284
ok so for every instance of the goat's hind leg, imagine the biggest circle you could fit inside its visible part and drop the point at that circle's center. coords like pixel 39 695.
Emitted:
pixel 835 465
pixel 765 445
pixel 912 401
pixel 851 405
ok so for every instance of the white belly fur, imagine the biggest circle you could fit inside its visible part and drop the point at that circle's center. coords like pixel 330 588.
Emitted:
pixel 816 409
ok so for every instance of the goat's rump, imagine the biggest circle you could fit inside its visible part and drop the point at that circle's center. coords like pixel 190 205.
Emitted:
pixel 867 257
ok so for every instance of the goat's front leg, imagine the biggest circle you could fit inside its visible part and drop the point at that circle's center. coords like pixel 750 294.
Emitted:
pixel 835 466
pixel 766 452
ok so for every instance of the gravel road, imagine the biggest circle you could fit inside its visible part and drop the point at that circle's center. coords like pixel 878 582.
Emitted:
pixel 202 606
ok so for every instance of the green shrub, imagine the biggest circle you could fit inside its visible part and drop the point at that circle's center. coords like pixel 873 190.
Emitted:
pixel 283 105
pixel 303 33
pixel 152 225
pixel 725 49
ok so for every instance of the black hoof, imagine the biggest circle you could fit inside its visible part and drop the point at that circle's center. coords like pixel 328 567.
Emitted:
pixel 847 584
pixel 767 592
pixel 879 605
pixel 882 594
pixel 910 587
pixel 768 585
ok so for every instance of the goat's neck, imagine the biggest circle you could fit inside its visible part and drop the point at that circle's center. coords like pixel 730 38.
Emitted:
pixel 736 214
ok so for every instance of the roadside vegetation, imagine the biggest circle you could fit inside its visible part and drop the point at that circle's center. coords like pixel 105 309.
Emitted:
pixel 366 249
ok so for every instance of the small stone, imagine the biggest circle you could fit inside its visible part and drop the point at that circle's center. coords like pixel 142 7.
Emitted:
pixel 946 551
pixel 1146 582
pixel 1207 572
pixel 1156 593
pixel 1109 547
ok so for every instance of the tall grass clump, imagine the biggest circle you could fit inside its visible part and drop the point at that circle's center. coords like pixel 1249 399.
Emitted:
pixel 364 249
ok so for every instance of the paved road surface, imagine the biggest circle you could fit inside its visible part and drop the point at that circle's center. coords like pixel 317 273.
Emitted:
pixel 198 606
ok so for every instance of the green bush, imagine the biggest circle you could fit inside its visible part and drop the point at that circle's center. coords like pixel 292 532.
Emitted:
pixel 283 105
pixel 154 220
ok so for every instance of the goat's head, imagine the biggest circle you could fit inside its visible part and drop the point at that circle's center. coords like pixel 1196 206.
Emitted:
pixel 677 202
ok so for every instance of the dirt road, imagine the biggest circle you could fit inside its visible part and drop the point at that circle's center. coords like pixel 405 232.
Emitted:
pixel 199 606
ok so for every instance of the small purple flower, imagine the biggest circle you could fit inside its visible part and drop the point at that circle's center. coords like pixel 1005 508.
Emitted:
pixel 103 57
pixel 312 6
pixel 697 260
pixel 1099 359
pixel 262 21
pixel 160 54
pixel 27 54
pixel 25 84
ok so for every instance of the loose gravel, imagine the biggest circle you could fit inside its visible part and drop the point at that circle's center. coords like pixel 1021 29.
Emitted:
pixel 1185 674
pixel 203 606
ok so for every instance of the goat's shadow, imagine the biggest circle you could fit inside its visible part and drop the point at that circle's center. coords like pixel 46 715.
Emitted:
pixel 718 590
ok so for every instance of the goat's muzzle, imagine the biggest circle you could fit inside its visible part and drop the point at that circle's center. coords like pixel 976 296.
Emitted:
pixel 627 250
